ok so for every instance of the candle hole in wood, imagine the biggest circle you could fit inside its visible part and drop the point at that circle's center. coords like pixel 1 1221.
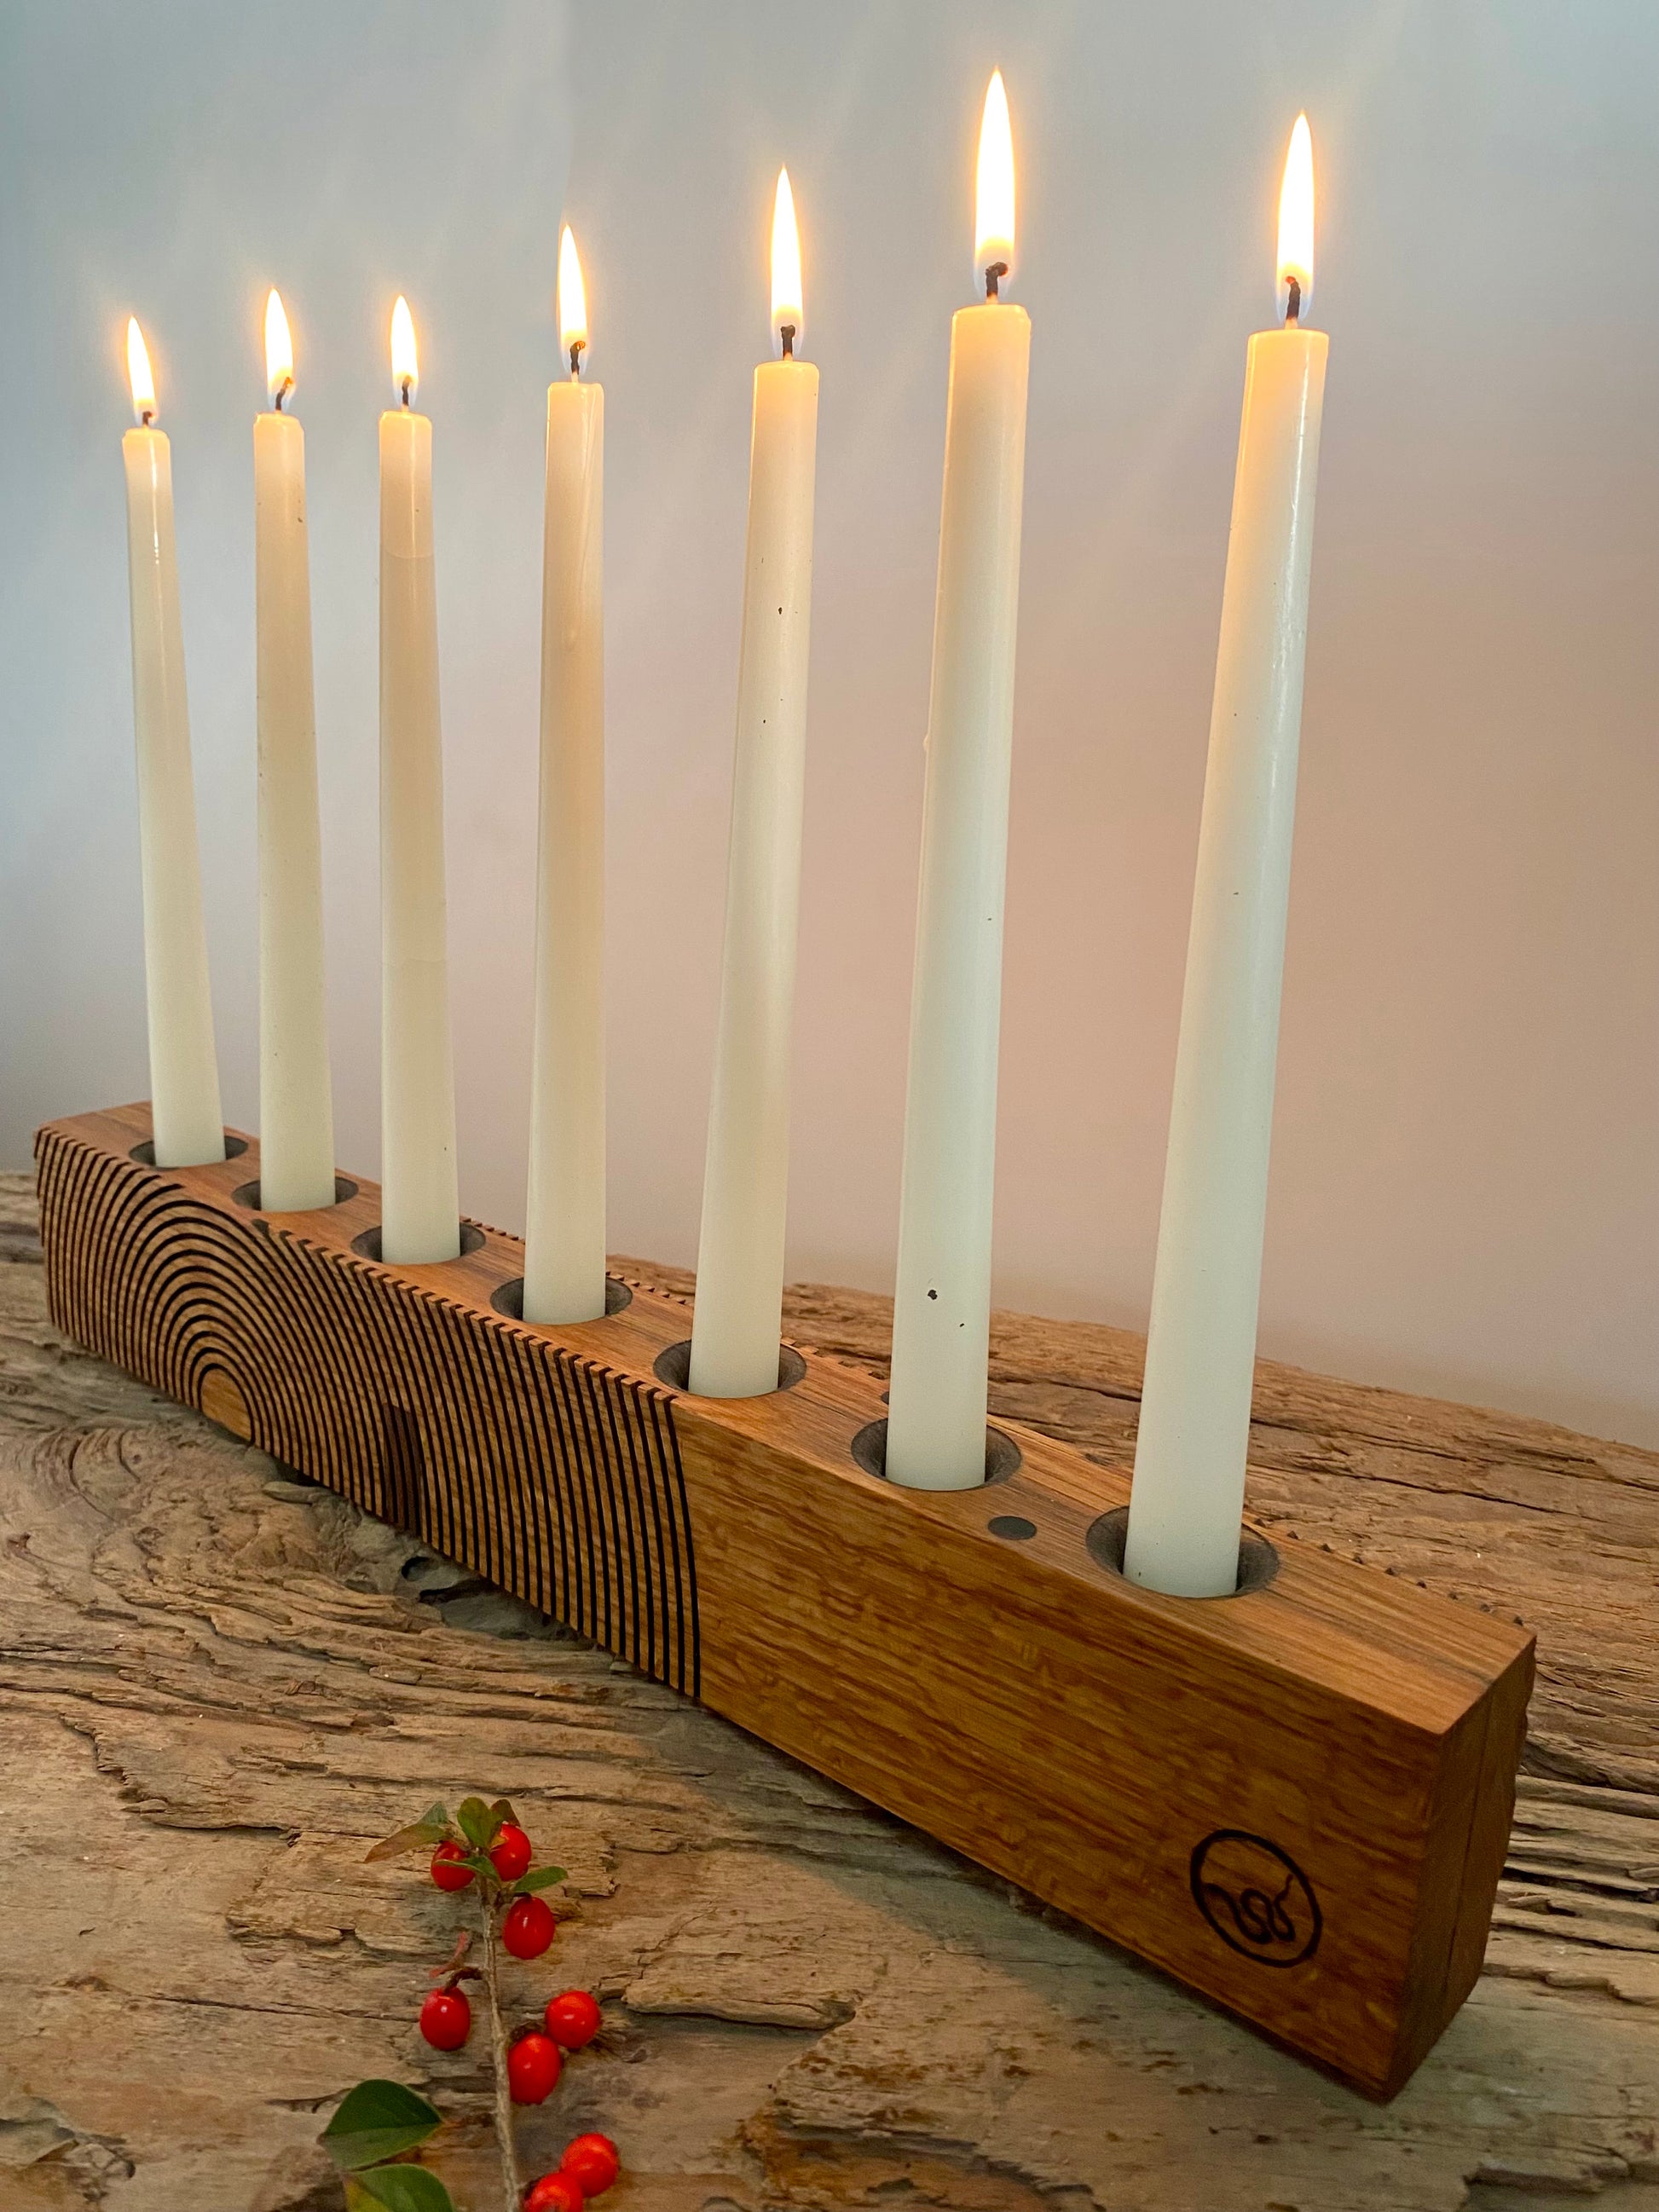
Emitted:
pixel 367 1246
pixel 1002 1454
pixel 673 1367
pixel 1258 1562
pixel 1013 1526
pixel 247 1194
pixel 509 1300
pixel 145 1153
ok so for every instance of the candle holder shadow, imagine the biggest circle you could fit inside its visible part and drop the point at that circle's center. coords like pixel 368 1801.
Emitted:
pixel 1296 1799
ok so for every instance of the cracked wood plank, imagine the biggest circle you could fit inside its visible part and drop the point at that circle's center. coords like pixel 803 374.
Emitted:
pixel 220 1683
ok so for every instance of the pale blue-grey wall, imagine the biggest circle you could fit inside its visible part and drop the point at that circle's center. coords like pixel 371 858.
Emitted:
pixel 1466 1183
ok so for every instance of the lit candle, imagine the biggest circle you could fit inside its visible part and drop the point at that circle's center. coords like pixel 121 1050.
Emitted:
pixel 738 1315
pixel 419 1213
pixel 186 1123
pixel 942 1296
pixel 564 1232
pixel 1195 1407
pixel 297 1112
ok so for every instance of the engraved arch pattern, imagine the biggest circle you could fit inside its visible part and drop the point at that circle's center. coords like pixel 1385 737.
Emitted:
pixel 548 1473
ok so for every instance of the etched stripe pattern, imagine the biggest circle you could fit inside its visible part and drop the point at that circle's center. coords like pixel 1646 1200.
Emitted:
pixel 547 1474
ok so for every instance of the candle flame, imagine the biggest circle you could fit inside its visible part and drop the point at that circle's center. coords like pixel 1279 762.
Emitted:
pixel 406 366
pixel 1296 224
pixel 572 299
pixel 138 373
pixel 787 303
pixel 279 351
pixel 993 213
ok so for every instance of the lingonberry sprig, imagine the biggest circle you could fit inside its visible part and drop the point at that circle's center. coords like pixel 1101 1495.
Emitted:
pixel 378 2125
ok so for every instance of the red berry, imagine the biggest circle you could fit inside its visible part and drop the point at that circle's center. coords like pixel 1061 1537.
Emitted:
pixel 591 2163
pixel 532 2068
pixel 555 2192
pixel 571 2019
pixel 445 2020
pixel 444 1872
pixel 510 1853
pixel 528 1928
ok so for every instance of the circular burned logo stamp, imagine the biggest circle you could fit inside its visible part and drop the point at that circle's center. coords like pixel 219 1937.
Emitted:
pixel 1256 1897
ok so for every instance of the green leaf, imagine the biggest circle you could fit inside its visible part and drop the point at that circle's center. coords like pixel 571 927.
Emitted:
pixel 419 1836
pixel 502 1808
pixel 537 1878
pixel 376 2120
pixel 478 1822
pixel 405 2189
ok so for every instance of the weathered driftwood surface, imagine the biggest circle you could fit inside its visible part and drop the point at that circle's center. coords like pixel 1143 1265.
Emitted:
pixel 218 1684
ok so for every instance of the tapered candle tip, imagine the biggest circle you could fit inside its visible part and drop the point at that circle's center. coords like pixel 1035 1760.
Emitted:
pixel 138 373
pixel 994 201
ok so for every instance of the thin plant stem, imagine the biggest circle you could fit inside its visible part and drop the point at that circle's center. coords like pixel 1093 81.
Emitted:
pixel 510 2182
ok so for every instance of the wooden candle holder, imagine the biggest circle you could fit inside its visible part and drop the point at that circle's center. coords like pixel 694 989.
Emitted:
pixel 1296 1799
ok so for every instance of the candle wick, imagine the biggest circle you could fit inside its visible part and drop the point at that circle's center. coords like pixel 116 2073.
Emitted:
pixel 994 273
pixel 146 417
pixel 787 334
pixel 576 349
pixel 407 381
pixel 1293 304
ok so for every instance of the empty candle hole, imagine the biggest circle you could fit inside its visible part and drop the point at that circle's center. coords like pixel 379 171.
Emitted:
pixel 145 1153
pixel 367 1246
pixel 509 1300
pixel 1258 1562
pixel 247 1194
pixel 1002 1454
pixel 673 1367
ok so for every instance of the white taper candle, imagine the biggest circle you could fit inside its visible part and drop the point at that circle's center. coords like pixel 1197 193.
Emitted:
pixel 942 1294
pixel 187 1123
pixel 564 1230
pixel 419 1217
pixel 738 1315
pixel 1188 1493
pixel 296 1109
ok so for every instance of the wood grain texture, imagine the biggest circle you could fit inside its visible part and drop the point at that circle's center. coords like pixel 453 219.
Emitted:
pixel 217 1683
pixel 1296 1800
